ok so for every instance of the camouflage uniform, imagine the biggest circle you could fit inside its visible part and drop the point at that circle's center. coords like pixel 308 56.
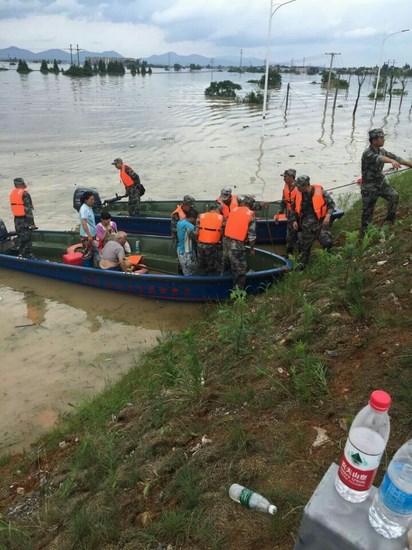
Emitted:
pixel 291 233
pixel 133 192
pixel 187 199
pixel 234 255
pixel 209 258
pixel 375 185
pixel 312 229
pixel 22 225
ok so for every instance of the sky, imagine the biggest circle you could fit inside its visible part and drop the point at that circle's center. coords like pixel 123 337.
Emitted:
pixel 302 31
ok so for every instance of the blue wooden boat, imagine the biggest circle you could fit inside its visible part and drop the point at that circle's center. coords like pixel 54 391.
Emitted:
pixel 162 281
pixel 154 217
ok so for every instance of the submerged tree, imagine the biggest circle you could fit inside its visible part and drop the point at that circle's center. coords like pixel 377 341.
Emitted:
pixel 274 79
pixel 22 67
pixel 224 88
pixel 43 67
pixel 361 79
pixel 116 68
pixel 55 68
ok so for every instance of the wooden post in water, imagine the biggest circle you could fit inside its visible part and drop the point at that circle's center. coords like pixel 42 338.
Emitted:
pixel 336 95
pixel 390 93
pixel 287 97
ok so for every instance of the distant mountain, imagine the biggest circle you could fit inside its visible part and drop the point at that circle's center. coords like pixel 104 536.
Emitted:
pixel 12 52
pixel 170 58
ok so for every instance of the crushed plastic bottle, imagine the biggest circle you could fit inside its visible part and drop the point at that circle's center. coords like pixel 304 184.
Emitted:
pixel 250 499
pixel 367 440
pixel 137 246
pixel 391 511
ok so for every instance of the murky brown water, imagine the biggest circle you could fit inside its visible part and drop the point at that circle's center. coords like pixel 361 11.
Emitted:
pixel 60 343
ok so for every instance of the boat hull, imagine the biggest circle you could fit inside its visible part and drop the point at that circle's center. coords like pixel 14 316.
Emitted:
pixel 159 286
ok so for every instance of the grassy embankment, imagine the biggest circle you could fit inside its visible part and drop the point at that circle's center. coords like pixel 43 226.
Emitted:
pixel 256 377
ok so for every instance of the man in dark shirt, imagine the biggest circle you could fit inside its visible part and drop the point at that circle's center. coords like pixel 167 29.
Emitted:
pixel 312 211
pixel 374 183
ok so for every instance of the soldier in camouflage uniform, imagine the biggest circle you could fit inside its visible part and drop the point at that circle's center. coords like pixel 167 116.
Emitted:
pixel 180 213
pixel 285 207
pixel 374 183
pixel 240 228
pixel 22 208
pixel 133 187
pixel 312 213
pixel 210 254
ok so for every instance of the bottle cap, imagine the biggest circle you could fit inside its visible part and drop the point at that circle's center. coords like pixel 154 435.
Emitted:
pixel 272 509
pixel 380 400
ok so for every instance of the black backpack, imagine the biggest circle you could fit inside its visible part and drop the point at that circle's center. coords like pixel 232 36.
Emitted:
pixel 142 190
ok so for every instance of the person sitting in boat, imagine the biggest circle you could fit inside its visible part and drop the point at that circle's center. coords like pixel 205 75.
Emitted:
pixel 228 201
pixel 180 213
pixel 87 224
pixel 240 228
pixel 209 232
pixel 133 187
pixel 106 229
pixel 185 243
pixel 22 209
pixel 113 255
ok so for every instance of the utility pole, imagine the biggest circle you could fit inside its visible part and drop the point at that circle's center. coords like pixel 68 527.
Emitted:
pixel 241 55
pixel 332 55
pixel 78 57
pixel 71 55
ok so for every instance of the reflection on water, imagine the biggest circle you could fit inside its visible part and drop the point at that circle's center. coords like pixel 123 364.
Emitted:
pixel 62 342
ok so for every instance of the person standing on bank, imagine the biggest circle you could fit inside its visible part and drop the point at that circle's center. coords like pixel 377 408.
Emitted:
pixel 131 181
pixel 285 209
pixel 209 230
pixel 87 224
pixel 22 209
pixel 240 228
pixel 374 183
pixel 312 213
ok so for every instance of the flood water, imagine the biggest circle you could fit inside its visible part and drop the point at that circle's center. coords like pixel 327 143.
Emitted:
pixel 60 342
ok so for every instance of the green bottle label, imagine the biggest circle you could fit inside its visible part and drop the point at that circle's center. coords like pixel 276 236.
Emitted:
pixel 245 497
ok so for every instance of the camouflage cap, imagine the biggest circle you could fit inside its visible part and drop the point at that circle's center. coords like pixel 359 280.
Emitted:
pixel 289 172
pixel 188 199
pixel 215 206
pixel 19 182
pixel 117 160
pixel 226 192
pixel 248 200
pixel 303 180
pixel 376 133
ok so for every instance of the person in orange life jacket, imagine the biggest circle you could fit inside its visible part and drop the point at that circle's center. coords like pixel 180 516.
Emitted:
pixel 180 213
pixel 312 214
pixel 240 228
pixel 285 208
pixel 228 201
pixel 186 252
pixel 209 233
pixel 131 181
pixel 22 209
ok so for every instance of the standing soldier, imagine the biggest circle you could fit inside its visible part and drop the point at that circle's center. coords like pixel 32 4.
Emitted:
pixel 312 213
pixel 180 213
pixel 228 201
pixel 209 229
pixel 22 209
pixel 285 208
pixel 374 183
pixel 131 181
pixel 240 228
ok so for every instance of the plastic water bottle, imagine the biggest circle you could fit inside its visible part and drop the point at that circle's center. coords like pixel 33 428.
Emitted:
pixel 251 500
pixel 367 440
pixel 137 246
pixel 391 510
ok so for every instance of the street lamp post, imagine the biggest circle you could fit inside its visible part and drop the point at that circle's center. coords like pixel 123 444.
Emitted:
pixel 385 37
pixel 265 92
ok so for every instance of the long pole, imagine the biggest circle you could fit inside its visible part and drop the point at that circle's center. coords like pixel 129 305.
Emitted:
pixel 265 91
pixel 385 37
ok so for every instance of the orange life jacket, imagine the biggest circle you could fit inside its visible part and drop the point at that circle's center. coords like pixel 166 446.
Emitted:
pixel 289 196
pixel 179 211
pixel 227 209
pixel 125 178
pixel 237 224
pixel 16 202
pixel 318 202
pixel 210 225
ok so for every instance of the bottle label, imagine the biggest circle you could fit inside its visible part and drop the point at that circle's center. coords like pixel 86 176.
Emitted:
pixel 244 497
pixel 393 498
pixel 357 470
